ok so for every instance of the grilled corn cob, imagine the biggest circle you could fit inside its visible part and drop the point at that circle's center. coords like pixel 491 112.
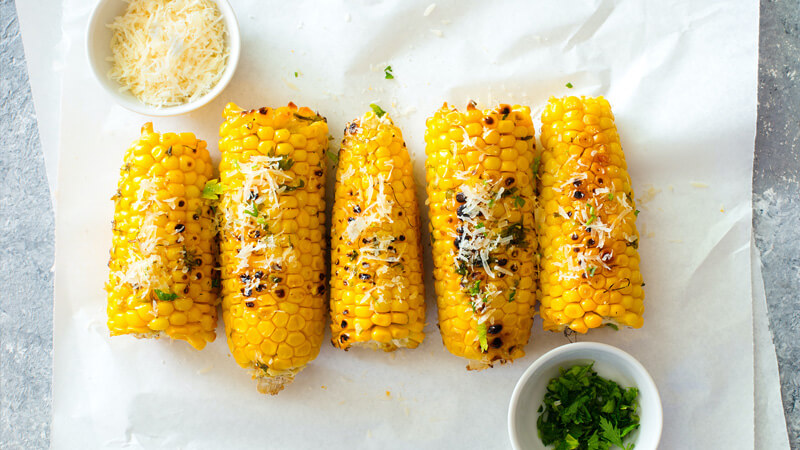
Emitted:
pixel 377 293
pixel 587 232
pixel 162 257
pixel 481 199
pixel 272 215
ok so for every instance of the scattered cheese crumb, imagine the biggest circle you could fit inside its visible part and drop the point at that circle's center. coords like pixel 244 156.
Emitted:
pixel 438 33
pixel 429 9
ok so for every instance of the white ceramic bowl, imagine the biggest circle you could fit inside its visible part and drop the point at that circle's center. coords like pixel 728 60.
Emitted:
pixel 609 362
pixel 98 49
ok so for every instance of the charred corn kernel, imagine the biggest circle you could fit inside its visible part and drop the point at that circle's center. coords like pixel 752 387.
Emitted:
pixel 376 255
pixel 482 230
pixel 587 229
pixel 163 248
pixel 273 271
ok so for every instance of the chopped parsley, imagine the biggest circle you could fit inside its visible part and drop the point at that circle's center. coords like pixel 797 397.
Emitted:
pixel 387 72
pixel 482 340
pixel 213 189
pixel 165 296
pixel 377 110
pixel 285 163
pixel 287 188
pixel 333 156
pixel 569 85
pixel 535 166
pixel 254 211
pixel 475 289
pixel 584 411
pixel 592 215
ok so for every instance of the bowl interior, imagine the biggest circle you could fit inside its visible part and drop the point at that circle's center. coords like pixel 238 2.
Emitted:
pixel 98 47
pixel 529 393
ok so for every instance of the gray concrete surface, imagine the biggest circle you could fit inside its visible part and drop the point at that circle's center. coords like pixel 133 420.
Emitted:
pixel 776 191
pixel 26 226
pixel 26 255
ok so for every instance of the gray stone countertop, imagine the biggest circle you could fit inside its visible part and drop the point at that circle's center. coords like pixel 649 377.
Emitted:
pixel 26 226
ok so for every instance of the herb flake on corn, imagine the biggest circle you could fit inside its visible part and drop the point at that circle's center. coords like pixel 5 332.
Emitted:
pixel 161 269
pixel 272 218
pixel 377 291
pixel 587 232
pixel 481 199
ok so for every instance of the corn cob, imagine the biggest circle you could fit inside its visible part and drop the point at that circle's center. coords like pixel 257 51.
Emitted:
pixel 481 199
pixel 377 293
pixel 162 256
pixel 587 232
pixel 272 218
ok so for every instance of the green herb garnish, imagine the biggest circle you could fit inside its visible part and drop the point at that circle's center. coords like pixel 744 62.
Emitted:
pixel 165 296
pixel 475 289
pixel 592 216
pixel 613 326
pixel 377 110
pixel 519 201
pixel 636 213
pixel 569 85
pixel 592 270
pixel 285 163
pixel 482 337
pixel 535 166
pixel 584 411
pixel 213 189
pixel 387 72
pixel 611 196
pixel 333 156
pixel 287 188
pixel 254 211
pixel 296 74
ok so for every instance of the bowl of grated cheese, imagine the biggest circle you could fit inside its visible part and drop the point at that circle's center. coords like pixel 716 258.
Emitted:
pixel 163 57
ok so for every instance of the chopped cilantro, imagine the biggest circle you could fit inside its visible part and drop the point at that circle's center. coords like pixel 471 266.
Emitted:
pixel 613 326
pixel 377 110
pixel 611 196
pixel 480 225
pixel 296 74
pixel 387 72
pixel 569 85
pixel 526 138
pixel 636 213
pixel 213 189
pixel 165 296
pixel 592 270
pixel 582 410
pixel 519 201
pixel 484 342
pixel 512 295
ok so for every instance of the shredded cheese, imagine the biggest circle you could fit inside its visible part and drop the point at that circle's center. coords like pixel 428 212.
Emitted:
pixel 168 52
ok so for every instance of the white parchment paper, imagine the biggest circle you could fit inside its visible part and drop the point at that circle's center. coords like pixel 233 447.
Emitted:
pixel 682 80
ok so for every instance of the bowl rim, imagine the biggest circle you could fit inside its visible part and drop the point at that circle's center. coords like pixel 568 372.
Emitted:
pixel 526 377
pixel 234 52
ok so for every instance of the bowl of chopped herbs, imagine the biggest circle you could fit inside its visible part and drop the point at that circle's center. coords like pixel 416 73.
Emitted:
pixel 585 396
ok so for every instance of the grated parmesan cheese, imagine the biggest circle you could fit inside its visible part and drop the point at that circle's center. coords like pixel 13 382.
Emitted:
pixel 168 52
